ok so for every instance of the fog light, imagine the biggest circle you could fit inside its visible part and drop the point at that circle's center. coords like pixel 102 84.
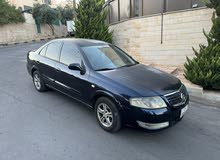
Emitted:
pixel 153 126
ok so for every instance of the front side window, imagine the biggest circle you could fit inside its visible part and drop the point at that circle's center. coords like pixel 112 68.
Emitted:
pixel 69 54
pixel 107 57
pixel 53 50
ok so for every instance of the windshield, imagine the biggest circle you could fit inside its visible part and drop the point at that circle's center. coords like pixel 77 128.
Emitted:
pixel 107 57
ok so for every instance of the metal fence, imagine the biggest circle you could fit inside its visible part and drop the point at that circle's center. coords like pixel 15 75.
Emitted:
pixel 124 9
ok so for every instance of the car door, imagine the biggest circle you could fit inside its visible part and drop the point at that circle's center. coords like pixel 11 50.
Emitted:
pixel 69 81
pixel 49 56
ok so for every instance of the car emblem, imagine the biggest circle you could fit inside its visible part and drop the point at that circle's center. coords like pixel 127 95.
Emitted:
pixel 182 96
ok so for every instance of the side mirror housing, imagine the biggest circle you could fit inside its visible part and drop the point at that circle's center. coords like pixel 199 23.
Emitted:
pixel 76 67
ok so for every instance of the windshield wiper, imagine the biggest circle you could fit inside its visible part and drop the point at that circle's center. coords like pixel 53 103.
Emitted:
pixel 104 69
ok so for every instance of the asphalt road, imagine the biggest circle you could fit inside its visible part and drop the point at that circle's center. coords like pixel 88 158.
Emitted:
pixel 51 126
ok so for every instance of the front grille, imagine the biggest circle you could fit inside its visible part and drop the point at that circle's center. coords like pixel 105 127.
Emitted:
pixel 178 97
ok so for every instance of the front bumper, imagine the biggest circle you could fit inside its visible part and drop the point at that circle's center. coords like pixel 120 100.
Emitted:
pixel 155 119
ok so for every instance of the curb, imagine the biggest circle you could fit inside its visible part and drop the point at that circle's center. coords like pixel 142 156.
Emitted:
pixel 204 97
pixel 207 103
pixel 197 93
pixel 19 43
pixel 30 41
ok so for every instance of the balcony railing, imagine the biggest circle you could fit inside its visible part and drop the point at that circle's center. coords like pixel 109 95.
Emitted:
pixel 125 9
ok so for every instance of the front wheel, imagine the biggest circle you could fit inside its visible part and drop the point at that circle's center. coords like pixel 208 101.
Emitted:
pixel 108 115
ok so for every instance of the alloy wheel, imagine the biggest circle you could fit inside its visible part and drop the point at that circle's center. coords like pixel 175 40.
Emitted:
pixel 105 115
pixel 37 81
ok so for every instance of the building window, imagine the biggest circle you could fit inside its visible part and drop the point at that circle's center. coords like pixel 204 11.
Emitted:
pixel 152 7
pixel 174 5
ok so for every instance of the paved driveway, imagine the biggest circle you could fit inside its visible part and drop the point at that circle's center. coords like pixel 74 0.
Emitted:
pixel 51 126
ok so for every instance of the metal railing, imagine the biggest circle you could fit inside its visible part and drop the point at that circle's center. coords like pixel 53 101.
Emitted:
pixel 125 9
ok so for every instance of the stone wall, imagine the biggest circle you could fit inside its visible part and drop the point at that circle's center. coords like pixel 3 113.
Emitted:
pixel 23 32
pixel 141 37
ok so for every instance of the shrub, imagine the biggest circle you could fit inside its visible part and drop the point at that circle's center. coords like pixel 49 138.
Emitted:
pixel 44 14
pixel 67 13
pixel 204 68
pixel 90 21
pixel 9 14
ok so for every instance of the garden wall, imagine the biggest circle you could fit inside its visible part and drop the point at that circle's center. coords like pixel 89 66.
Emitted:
pixel 23 32
pixel 141 37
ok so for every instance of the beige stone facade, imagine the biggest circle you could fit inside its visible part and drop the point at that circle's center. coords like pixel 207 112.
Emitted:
pixel 24 32
pixel 141 37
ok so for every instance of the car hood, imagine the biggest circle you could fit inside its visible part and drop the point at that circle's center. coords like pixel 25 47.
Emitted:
pixel 144 80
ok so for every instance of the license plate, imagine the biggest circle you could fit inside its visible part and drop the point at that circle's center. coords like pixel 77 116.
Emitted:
pixel 183 111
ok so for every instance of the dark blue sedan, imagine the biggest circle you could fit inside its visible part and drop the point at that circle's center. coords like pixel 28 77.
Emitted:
pixel 104 77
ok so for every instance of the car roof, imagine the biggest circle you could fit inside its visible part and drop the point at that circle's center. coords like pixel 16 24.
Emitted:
pixel 82 42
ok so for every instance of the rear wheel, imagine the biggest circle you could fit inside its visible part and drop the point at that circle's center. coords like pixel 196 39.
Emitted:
pixel 108 115
pixel 38 82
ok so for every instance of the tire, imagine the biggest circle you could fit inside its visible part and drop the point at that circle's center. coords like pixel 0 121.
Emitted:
pixel 38 82
pixel 107 115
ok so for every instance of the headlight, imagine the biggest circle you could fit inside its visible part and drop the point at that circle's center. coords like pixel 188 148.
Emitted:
pixel 148 102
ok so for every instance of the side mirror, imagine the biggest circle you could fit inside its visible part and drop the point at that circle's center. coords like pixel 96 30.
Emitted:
pixel 76 67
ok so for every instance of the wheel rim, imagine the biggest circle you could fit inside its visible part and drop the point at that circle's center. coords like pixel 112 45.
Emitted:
pixel 37 82
pixel 105 115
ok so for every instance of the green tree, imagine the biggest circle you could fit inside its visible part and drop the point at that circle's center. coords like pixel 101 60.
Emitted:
pixel 44 14
pixel 204 68
pixel 9 14
pixel 67 13
pixel 90 21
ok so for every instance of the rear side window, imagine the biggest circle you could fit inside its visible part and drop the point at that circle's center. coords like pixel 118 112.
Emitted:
pixel 43 51
pixel 53 50
pixel 69 54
